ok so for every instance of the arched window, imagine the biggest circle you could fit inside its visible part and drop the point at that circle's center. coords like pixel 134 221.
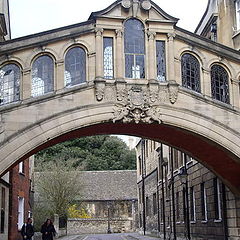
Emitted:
pixel 219 83
pixel 42 75
pixel 134 48
pixel 9 84
pixel 75 66
pixel 190 72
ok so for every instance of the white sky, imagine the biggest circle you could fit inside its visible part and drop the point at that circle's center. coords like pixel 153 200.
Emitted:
pixel 32 16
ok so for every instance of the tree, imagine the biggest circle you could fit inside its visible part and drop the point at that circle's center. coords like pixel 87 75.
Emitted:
pixel 91 154
pixel 57 189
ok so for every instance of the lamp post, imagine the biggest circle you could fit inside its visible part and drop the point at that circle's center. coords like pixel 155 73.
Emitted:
pixel 108 229
pixel 184 180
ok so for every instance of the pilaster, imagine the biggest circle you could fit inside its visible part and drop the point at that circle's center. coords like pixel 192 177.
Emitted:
pixel 119 54
pixel 99 53
pixel 151 55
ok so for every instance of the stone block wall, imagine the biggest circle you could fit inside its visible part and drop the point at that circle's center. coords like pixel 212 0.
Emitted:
pixel 98 225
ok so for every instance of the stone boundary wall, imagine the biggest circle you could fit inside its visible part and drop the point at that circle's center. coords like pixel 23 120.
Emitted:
pixel 98 225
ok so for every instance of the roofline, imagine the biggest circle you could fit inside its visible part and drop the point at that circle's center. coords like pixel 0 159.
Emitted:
pixel 204 15
pixel 96 14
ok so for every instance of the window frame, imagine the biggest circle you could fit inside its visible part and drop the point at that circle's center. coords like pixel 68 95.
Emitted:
pixel 80 62
pixel 161 58
pixel 204 212
pixel 217 200
pixel 20 212
pixel 108 58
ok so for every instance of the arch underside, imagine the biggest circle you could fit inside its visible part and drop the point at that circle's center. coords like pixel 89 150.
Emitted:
pixel 211 154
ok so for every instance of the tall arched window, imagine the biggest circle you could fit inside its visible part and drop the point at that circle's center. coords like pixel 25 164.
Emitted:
pixel 9 84
pixel 75 66
pixel 134 48
pixel 42 75
pixel 219 83
pixel 190 72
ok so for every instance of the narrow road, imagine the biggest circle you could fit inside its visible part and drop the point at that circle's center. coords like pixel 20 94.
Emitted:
pixel 117 236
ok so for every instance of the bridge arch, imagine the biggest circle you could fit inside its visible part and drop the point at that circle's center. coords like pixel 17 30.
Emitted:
pixel 208 141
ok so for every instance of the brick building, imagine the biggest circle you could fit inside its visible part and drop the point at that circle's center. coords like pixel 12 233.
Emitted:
pixel 181 199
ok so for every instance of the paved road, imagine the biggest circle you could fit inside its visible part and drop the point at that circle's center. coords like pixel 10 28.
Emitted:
pixel 119 236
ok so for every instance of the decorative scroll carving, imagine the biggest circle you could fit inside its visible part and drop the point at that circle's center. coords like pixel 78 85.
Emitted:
pixel 100 89
pixel 135 5
pixel 151 35
pixel 119 33
pixel 173 91
pixel 137 108
pixel 99 31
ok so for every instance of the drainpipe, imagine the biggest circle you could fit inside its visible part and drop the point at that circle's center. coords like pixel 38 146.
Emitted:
pixel 224 206
pixel 163 195
pixel 143 186
pixel 173 193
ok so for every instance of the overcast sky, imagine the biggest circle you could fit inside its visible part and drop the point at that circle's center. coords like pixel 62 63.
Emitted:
pixel 32 16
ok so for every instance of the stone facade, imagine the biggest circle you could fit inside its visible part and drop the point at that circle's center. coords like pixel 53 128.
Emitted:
pixel 179 197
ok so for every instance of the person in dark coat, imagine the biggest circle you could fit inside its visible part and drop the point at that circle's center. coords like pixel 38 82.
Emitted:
pixel 48 230
pixel 27 230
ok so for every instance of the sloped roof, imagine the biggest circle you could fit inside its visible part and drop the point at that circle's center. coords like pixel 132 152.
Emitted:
pixel 100 185
pixel 108 185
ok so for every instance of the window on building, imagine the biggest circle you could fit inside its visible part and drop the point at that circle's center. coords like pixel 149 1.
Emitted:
pixel 9 84
pixel 75 67
pixel 140 165
pixel 42 76
pixel 154 203
pixel 184 205
pixel 147 206
pixel 177 207
pixel 3 209
pixel 21 167
pixel 161 61
pixel 140 195
pixel 192 205
pixel 203 202
pixel 237 4
pixel 20 212
pixel 190 72
pixel 219 83
pixel 217 199
pixel 108 57
pixel 134 48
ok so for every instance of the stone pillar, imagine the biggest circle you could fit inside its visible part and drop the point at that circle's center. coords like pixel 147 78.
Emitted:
pixel 99 53
pixel 26 84
pixel 119 55
pixel 235 96
pixel 59 79
pixel 56 224
pixel 206 83
pixel 151 56
pixel 171 67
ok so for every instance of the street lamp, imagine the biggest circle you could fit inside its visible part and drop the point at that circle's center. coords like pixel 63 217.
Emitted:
pixel 108 229
pixel 183 176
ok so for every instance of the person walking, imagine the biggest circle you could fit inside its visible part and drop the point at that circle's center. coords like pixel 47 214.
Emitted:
pixel 48 230
pixel 27 230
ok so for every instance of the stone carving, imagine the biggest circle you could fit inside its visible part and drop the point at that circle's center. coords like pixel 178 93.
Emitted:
pixel 173 91
pixel 135 4
pixel 137 108
pixel 100 89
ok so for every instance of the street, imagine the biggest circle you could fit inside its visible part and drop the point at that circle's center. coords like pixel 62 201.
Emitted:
pixel 118 236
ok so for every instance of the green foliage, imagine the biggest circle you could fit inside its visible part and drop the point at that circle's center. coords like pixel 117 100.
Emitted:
pixel 73 212
pixel 90 154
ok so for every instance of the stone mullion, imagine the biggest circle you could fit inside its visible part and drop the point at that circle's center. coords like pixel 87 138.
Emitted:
pixel 119 54
pixel 99 53
pixel 235 93
pixel 151 55
pixel 26 84
pixel 206 83
pixel 59 79
pixel 171 66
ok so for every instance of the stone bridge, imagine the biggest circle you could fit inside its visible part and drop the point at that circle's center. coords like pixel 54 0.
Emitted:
pixel 127 70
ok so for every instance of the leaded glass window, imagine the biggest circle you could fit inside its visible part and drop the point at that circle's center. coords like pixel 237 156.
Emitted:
pixel 108 57
pixel 9 84
pixel 75 66
pixel 219 83
pixel 42 75
pixel 190 72
pixel 161 61
pixel 134 48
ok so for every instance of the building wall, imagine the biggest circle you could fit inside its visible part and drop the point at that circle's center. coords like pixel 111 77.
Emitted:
pixel 215 217
pixel 4 9
pixel 4 206
pixel 20 188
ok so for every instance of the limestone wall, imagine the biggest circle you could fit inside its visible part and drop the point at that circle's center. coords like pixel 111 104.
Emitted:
pixel 98 225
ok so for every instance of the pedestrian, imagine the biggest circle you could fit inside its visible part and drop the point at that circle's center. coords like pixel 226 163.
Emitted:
pixel 27 230
pixel 48 230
